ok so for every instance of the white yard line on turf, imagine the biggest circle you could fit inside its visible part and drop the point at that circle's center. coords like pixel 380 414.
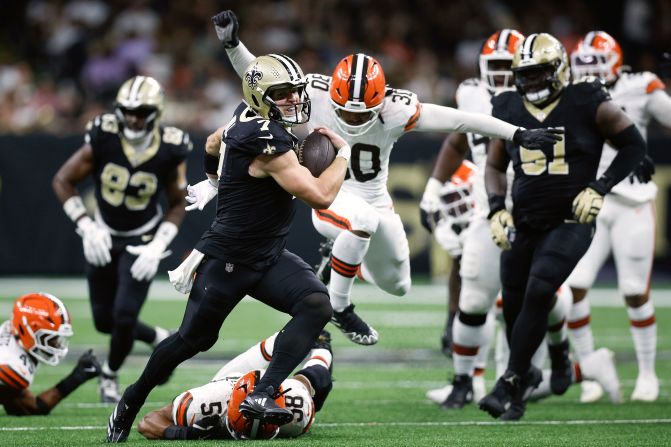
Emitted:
pixel 162 290
pixel 405 424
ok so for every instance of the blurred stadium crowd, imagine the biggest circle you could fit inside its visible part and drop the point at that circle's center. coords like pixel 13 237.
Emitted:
pixel 62 61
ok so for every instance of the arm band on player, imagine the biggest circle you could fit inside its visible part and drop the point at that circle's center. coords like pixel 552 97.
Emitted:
pixel 448 119
pixel 74 208
pixel 345 152
pixel 496 203
pixel 166 232
pixel 631 150
pixel 210 163
pixel 240 58
pixel 42 407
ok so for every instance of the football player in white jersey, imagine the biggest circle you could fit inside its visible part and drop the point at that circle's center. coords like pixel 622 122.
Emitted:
pixel 204 412
pixel 38 332
pixel 369 239
pixel 626 223
pixel 472 329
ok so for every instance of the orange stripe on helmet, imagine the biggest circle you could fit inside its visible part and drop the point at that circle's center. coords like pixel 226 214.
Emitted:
pixel 358 78
pixel 655 84
pixel 334 219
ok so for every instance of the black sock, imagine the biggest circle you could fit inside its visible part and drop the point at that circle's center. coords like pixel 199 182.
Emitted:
pixel 145 333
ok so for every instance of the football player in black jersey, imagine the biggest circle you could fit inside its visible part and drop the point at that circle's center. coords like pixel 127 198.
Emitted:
pixel 243 253
pixel 556 197
pixel 132 159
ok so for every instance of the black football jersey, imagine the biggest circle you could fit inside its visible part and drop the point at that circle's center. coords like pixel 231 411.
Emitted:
pixel 253 214
pixel 128 182
pixel 547 180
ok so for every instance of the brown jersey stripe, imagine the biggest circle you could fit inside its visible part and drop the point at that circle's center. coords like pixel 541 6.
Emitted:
pixel 333 218
pixel 264 353
pixel 412 122
pixel 183 409
pixel 14 376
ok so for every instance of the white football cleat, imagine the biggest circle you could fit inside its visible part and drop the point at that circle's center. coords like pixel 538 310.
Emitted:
pixel 590 392
pixel 600 366
pixel 109 389
pixel 479 388
pixel 647 388
pixel 439 395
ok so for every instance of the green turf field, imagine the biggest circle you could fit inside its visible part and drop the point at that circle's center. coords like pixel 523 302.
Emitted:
pixel 378 396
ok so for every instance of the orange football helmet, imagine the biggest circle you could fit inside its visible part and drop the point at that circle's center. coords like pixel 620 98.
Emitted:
pixel 357 91
pixel 597 54
pixel 496 57
pixel 42 325
pixel 241 427
pixel 456 196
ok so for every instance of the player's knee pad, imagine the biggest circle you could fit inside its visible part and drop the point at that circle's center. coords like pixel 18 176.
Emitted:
pixel 317 305
pixel 320 379
pixel 366 222
pixel 476 299
pixel 472 319
pixel 399 287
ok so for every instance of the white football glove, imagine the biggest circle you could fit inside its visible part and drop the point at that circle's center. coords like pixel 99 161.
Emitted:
pixel 586 205
pixel 503 229
pixel 448 239
pixel 149 255
pixel 430 205
pixel 97 242
pixel 200 194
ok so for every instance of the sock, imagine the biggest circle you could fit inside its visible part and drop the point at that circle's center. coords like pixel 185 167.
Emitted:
pixel 321 357
pixel 501 352
pixel 543 390
pixel 467 336
pixel 580 329
pixel 145 333
pixel 346 256
pixel 107 372
pixel 256 357
pixel 644 332
pixel 485 347
pixel 557 331
pixel 160 335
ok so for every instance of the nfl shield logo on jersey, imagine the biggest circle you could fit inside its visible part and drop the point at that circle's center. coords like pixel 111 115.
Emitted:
pixel 229 267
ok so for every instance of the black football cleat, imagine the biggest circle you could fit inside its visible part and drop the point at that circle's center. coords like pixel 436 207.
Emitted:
pixel 323 341
pixel 121 422
pixel 323 269
pixel 499 398
pixel 354 327
pixel 518 404
pixel 561 376
pixel 261 405
pixel 461 394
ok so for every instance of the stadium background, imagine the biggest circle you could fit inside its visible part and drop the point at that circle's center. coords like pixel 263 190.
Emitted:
pixel 61 63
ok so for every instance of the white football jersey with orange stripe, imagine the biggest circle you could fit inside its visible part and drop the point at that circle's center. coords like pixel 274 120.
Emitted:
pixel 369 164
pixel 17 367
pixel 632 92
pixel 473 96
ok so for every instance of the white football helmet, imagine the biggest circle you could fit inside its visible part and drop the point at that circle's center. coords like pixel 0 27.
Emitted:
pixel 297 398
pixel 143 96
pixel 496 57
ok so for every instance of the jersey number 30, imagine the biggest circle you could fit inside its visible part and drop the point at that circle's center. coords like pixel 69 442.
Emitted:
pixel 535 162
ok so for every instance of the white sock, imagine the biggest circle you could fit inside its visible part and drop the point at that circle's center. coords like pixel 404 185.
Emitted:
pixel 543 390
pixel 320 357
pixel 644 332
pixel 256 357
pixel 107 371
pixel 502 351
pixel 557 331
pixel 161 334
pixel 485 347
pixel 465 346
pixel 580 329
pixel 346 256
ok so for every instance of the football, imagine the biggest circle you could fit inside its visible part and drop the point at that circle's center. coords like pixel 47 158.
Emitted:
pixel 316 153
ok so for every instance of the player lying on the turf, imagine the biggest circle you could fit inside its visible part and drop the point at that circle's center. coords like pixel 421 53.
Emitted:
pixel 211 410
pixel 38 331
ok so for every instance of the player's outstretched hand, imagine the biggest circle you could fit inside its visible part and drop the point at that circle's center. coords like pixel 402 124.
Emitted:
pixel 88 366
pixel 537 138
pixel 226 25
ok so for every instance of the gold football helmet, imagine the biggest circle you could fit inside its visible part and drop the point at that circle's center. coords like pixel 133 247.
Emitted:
pixel 269 75
pixel 540 68
pixel 142 97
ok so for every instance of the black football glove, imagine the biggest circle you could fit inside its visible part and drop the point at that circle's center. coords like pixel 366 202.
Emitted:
pixel 644 171
pixel 537 138
pixel 87 366
pixel 226 25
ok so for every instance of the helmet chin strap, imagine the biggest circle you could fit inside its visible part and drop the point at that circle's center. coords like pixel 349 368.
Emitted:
pixel 538 97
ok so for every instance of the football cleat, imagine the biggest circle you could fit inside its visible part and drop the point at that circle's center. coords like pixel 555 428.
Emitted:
pixel 109 389
pixel 121 422
pixel 511 391
pixel 562 368
pixel 438 395
pixel 646 389
pixel 461 394
pixel 323 341
pixel 354 327
pixel 261 405
pixel 590 391
pixel 323 269
pixel 600 366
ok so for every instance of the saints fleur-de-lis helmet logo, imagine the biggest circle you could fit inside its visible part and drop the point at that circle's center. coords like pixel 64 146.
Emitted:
pixel 253 76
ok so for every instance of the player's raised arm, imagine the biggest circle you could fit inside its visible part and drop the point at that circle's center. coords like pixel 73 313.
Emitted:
pixel 226 26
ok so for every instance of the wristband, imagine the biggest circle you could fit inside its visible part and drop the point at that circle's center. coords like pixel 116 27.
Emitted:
pixel 496 204
pixel 345 152
pixel 74 208
pixel 166 233
pixel 210 163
